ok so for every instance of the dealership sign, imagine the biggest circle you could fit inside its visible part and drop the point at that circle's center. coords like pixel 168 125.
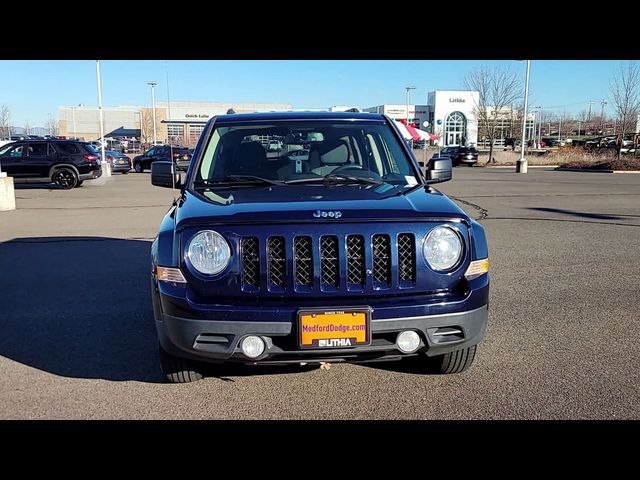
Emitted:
pixel 196 115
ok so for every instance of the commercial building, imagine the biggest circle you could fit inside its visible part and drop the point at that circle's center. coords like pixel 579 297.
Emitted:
pixel 177 122
pixel 451 114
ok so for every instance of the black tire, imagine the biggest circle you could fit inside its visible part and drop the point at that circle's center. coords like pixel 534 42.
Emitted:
pixel 454 362
pixel 64 178
pixel 79 184
pixel 470 164
pixel 178 369
pixel 138 168
pixel 124 172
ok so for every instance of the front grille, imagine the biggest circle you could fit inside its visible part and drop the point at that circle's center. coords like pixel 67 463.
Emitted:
pixel 319 263
pixel 303 261
pixel 276 262
pixel 329 264
pixel 250 261
pixel 355 260
pixel 381 259
pixel 406 257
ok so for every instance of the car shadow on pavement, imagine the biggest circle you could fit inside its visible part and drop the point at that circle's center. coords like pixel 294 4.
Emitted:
pixel 80 307
pixel 35 186
pixel 595 216
pixel 416 364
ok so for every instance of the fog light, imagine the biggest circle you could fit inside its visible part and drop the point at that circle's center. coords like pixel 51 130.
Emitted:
pixel 408 341
pixel 252 346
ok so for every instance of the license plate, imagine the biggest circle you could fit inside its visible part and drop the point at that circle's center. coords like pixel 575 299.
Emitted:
pixel 121 161
pixel 334 328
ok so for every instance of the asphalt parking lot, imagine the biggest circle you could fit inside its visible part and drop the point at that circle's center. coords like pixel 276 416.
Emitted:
pixel 77 338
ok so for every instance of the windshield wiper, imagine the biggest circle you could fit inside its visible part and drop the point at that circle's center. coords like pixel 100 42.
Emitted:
pixel 338 178
pixel 238 179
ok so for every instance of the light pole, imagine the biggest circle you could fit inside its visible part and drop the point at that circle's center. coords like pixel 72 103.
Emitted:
pixel 153 107
pixel 521 165
pixel 73 114
pixel 105 168
pixel 603 103
pixel 408 89
pixel 579 129
pixel 540 126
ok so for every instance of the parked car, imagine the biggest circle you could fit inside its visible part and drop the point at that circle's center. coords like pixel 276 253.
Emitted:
pixel 348 258
pixel 119 161
pixel 180 155
pixel 461 155
pixel 62 162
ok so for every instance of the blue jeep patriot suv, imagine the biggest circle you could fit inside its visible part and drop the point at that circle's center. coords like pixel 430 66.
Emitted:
pixel 314 237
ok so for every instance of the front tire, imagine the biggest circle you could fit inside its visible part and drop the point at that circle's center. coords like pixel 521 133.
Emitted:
pixel 65 178
pixel 454 362
pixel 138 168
pixel 178 369
pixel 124 172
pixel 79 184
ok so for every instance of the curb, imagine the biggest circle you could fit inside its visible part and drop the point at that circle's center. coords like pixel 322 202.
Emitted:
pixel 587 170
pixel 513 166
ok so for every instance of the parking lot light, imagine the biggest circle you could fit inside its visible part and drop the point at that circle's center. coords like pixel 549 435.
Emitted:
pixel 521 165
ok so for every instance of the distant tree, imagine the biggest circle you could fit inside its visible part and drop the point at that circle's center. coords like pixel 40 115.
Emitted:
pixel 625 93
pixel 27 127
pixel 499 88
pixel 146 133
pixel 5 113
pixel 51 126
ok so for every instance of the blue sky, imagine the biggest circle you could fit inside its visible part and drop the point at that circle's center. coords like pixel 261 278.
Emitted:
pixel 33 89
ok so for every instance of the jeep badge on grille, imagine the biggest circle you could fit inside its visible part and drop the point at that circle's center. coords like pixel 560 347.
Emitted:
pixel 323 214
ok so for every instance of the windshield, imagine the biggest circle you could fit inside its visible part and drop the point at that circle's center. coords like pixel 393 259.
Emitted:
pixel 306 152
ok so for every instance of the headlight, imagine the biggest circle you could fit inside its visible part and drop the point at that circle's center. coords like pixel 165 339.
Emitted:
pixel 209 252
pixel 442 248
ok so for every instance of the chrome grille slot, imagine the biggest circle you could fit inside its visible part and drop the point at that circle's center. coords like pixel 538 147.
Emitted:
pixel 276 262
pixel 303 261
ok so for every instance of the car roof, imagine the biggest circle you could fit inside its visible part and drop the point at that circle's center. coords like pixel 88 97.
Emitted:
pixel 291 115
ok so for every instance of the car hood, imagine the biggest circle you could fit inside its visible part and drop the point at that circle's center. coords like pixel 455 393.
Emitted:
pixel 314 203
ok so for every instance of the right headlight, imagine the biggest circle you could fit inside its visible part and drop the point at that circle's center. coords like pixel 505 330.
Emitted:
pixel 442 248
pixel 209 252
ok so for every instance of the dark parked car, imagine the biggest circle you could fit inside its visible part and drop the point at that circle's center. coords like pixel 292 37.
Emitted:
pixel 181 157
pixel 461 155
pixel 63 162
pixel 347 255
pixel 119 161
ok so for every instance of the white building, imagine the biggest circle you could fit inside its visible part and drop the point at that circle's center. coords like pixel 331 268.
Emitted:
pixel 449 114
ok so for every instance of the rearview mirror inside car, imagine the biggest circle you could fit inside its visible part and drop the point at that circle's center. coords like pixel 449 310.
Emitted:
pixel 164 174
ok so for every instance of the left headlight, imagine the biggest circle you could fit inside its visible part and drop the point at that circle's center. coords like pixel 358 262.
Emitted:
pixel 209 252
pixel 442 248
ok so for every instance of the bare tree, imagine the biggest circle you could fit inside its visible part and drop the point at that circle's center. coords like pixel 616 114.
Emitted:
pixel 625 86
pixel 499 88
pixel 146 133
pixel 5 113
pixel 51 126
pixel 27 127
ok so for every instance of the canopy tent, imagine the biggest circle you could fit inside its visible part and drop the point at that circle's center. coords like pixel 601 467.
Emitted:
pixel 403 130
pixel 124 132
pixel 411 133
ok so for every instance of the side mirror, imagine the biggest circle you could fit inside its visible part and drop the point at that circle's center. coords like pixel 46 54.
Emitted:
pixel 439 170
pixel 163 174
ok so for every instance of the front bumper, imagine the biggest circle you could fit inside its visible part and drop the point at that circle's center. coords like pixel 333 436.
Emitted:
pixel 218 340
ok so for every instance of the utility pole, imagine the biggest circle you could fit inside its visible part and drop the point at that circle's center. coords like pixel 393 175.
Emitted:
pixel 106 169
pixel 603 103
pixel 153 108
pixel 521 165
pixel 591 102
pixel 408 89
